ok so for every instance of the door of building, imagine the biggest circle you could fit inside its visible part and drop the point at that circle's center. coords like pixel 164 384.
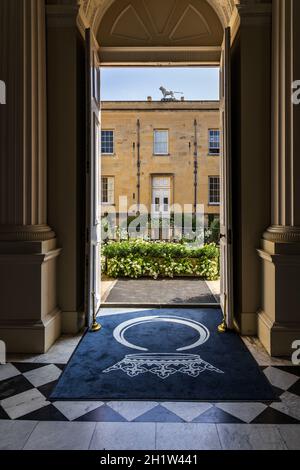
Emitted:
pixel 161 193
pixel 93 182
pixel 226 297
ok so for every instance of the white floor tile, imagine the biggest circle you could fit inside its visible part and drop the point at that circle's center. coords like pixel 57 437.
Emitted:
pixel 290 405
pixel 187 436
pixel 43 375
pixel 74 409
pixel 291 435
pixel 14 434
pixel 7 371
pixel 280 378
pixel 260 354
pixel 244 411
pixel 60 436
pixel 124 436
pixel 59 353
pixel 250 437
pixel 23 403
pixel 187 410
pixel 131 410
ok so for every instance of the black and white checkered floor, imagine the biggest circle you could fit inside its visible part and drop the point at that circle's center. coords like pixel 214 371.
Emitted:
pixel 25 388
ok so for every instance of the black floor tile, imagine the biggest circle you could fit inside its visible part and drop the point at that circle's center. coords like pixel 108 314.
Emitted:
pixel 102 414
pixel 3 414
pixel 215 415
pixel 47 389
pixel 295 389
pixel 291 369
pixel 272 416
pixel 159 414
pixel 27 366
pixel 14 386
pixel 47 413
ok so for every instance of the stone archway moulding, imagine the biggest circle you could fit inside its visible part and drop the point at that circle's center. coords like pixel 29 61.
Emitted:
pixel 92 11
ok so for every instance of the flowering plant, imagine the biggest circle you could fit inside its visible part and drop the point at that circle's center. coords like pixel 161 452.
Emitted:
pixel 139 258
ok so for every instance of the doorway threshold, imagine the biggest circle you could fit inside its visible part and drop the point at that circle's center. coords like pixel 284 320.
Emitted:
pixel 158 305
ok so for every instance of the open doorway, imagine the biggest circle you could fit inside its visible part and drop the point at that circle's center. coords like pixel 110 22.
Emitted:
pixel 123 47
pixel 160 186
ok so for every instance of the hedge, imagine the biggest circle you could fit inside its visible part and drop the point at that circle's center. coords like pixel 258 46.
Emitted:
pixel 139 258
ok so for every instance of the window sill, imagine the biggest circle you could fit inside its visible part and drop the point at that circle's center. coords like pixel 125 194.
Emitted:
pixel 214 204
pixel 161 155
pixel 213 154
pixel 106 204
pixel 108 154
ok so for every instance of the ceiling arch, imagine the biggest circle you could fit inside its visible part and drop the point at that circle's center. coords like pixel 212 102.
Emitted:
pixel 92 11
pixel 162 24
pixel 155 31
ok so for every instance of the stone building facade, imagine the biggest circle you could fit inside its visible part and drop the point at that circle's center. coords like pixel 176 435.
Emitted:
pixel 159 154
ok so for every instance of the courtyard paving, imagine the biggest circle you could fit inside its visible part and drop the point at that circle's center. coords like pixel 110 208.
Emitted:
pixel 162 291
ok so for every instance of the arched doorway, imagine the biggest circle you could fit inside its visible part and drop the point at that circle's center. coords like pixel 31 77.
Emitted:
pixel 183 33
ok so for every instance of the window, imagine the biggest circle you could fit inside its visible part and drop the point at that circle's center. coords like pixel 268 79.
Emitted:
pixel 214 142
pixel 214 190
pixel 161 142
pixel 107 142
pixel 108 190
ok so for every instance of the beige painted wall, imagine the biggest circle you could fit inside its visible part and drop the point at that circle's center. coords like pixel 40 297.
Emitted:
pixel 178 118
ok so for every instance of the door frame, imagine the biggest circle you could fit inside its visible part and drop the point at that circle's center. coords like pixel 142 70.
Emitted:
pixel 229 319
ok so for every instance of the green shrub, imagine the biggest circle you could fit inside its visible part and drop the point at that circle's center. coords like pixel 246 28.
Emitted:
pixel 137 258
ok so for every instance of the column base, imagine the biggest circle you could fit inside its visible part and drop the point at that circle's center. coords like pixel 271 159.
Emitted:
pixel 30 320
pixel 278 319
pixel 277 338
pixel 33 338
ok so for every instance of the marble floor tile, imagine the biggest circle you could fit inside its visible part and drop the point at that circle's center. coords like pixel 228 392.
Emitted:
pixel 187 436
pixel 23 403
pixel 14 386
pixel 7 371
pixel 14 434
pixel 130 410
pixel 290 405
pixel 59 353
pixel 291 435
pixel 244 411
pixel 43 375
pixel 187 410
pixel 124 436
pixel 74 409
pixel 260 354
pixel 250 437
pixel 280 378
pixel 60 436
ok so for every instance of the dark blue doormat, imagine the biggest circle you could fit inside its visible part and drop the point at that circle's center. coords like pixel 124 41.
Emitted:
pixel 165 354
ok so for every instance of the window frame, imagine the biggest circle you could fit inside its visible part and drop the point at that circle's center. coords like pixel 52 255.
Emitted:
pixel 162 154
pixel 211 149
pixel 113 142
pixel 113 198
pixel 210 202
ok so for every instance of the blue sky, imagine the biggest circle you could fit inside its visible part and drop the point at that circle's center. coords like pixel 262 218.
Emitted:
pixel 137 83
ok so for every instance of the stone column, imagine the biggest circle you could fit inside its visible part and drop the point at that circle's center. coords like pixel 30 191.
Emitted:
pixel 279 319
pixel 29 317
pixel 251 101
